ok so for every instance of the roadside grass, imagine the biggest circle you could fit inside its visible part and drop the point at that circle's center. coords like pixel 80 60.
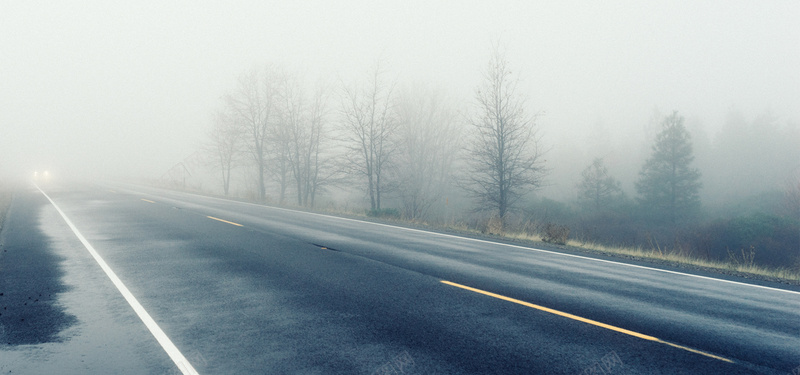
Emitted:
pixel 736 266
pixel 742 266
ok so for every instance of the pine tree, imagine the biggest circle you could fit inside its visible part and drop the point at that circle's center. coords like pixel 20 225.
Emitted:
pixel 598 190
pixel 668 185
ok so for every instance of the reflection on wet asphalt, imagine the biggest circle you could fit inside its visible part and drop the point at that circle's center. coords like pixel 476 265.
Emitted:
pixel 30 279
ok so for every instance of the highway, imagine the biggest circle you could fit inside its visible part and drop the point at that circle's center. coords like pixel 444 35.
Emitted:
pixel 238 288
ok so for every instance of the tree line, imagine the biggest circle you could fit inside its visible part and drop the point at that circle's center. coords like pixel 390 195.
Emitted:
pixel 414 149
pixel 667 213
pixel 408 145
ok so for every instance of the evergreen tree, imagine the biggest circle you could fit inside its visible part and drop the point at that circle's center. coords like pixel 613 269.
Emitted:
pixel 598 190
pixel 668 185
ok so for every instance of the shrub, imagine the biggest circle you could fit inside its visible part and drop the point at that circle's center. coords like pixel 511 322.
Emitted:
pixel 556 234
pixel 495 225
pixel 491 225
pixel 767 240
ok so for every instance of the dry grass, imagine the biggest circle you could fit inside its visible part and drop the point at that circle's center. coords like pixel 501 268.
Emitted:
pixel 525 237
pixel 740 265
pixel 743 266
pixel 737 265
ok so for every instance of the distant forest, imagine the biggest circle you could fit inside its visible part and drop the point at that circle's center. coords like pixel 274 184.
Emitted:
pixel 412 154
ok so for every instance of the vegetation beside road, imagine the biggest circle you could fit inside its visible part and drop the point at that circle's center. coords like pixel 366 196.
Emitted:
pixel 738 264
pixel 741 263
pixel 410 156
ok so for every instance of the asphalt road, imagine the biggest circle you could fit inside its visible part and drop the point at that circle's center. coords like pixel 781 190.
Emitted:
pixel 246 289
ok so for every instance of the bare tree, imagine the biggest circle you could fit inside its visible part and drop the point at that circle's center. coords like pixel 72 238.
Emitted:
pixel 292 132
pixel 252 105
pixel 428 141
pixel 303 124
pixel 318 160
pixel 288 114
pixel 368 127
pixel 504 153
pixel 224 146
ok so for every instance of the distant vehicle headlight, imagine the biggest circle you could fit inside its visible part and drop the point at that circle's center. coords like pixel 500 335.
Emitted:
pixel 41 175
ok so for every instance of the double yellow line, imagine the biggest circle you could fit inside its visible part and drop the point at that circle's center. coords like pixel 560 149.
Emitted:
pixel 585 320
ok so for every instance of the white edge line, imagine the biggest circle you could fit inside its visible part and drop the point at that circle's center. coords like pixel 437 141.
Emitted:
pixel 495 243
pixel 173 352
pixel 541 250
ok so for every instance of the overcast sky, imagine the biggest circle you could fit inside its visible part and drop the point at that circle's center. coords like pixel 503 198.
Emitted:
pixel 128 86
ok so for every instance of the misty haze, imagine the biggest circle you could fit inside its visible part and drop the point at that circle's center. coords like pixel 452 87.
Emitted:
pixel 400 187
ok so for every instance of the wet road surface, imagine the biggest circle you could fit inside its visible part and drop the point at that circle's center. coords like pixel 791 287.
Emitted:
pixel 243 289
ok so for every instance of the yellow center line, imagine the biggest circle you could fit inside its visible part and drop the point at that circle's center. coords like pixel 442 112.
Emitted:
pixel 585 320
pixel 224 221
pixel 147 200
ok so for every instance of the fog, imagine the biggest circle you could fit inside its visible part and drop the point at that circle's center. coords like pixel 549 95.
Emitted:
pixel 127 89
